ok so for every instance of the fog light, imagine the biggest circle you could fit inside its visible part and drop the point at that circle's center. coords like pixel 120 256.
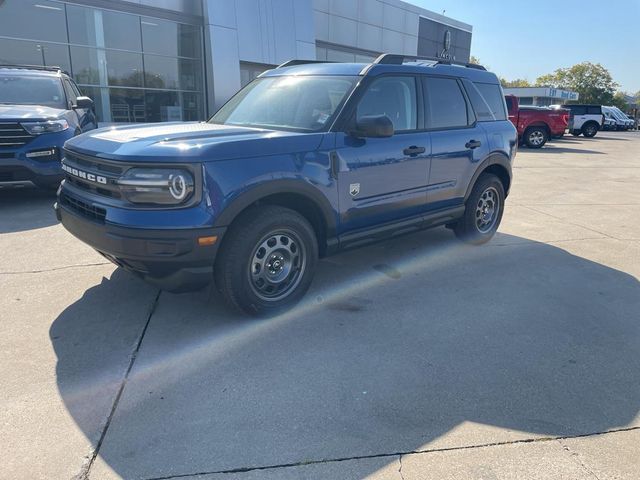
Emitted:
pixel 41 153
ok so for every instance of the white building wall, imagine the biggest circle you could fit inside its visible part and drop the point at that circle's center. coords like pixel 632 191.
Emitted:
pixel 259 31
pixel 389 26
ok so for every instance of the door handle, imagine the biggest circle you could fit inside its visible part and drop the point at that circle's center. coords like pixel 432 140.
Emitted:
pixel 413 150
pixel 473 144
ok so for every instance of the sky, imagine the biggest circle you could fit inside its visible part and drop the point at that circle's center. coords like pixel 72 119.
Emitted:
pixel 518 39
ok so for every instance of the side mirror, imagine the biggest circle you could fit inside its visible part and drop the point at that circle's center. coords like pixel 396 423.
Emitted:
pixel 373 126
pixel 84 102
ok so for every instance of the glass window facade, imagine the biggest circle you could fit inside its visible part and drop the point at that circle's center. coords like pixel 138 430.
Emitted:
pixel 135 68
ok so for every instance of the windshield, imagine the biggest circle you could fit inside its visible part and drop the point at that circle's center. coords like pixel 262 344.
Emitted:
pixel 31 90
pixel 299 103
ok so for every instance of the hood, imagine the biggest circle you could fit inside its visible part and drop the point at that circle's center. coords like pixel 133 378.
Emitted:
pixel 189 142
pixel 29 112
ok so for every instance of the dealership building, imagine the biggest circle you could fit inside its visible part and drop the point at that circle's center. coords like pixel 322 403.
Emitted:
pixel 542 96
pixel 163 60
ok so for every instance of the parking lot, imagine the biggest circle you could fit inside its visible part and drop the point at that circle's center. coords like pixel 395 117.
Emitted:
pixel 417 358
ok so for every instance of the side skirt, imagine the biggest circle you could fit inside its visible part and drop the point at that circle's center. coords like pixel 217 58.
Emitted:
pixel 385 231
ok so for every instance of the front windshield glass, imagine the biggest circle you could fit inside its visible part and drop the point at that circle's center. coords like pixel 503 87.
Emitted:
pixel 304 103
pixel 31 90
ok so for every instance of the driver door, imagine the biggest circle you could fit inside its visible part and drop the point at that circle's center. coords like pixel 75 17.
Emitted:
pixel 383 180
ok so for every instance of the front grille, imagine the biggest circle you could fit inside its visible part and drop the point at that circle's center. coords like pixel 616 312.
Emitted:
pixel 109 170
pixel 13 135
pixel 87 210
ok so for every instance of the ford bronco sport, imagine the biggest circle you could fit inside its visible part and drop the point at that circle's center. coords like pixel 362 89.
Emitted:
pixel 308 159
pixel 40 109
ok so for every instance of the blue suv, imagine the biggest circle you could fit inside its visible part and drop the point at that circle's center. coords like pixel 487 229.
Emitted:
pixel 40 109
pixel 308 159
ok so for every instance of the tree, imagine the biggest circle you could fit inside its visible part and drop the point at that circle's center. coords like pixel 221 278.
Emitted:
pixel 620 101
pixel 592 81
pixel 518 82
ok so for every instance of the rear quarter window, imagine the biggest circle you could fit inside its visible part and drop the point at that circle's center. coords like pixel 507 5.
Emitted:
pixel 594 110
pixel 482 109
pixel 492 93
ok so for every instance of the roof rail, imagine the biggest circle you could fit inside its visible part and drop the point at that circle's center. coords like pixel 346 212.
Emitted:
pixel 34 67
pixel 291 63
pixel 394 59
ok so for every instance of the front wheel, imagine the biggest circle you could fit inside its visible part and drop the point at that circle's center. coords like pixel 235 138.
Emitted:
pixel 483 211
pixel 267 260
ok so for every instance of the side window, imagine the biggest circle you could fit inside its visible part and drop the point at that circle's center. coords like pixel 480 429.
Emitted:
pixel 492 93
pixel 71 95
pixel 446 105
pixel 509 101
pixel 579 110
pixel 75 88
pixel 594 110
pixel 394 97
pixel 482 109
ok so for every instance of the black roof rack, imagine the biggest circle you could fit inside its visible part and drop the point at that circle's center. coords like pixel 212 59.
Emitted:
pixel 291 63
pixel 34 67
pixel 394 59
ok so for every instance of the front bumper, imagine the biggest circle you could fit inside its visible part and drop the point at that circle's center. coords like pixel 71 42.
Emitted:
pixel 16 166
pixel 168 258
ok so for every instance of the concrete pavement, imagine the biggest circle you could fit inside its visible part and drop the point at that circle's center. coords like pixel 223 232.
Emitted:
pixel 415 358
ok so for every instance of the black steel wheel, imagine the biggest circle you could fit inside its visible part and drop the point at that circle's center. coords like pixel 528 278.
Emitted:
pixel 278 263
pixel 267 260
pixel 483 211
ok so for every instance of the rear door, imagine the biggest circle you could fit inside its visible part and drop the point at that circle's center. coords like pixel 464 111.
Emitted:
pixel 578 116
pixel 385 179
pixel 458 143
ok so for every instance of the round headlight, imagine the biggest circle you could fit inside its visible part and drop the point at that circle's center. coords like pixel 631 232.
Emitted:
pixel 178 186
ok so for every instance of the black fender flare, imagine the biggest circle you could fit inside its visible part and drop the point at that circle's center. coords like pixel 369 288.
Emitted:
pixel 281 186
pixel 496 158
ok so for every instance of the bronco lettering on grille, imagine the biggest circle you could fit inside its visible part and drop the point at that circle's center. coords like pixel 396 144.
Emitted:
pixel 84 175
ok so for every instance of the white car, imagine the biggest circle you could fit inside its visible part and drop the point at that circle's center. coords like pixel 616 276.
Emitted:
pixel 611 113
pixel 584 119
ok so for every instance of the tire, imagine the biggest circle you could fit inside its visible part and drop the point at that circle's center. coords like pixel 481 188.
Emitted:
pixel 590 129
pixel 536 137
pixel 267 260
pixel 471 228
pixel 576 133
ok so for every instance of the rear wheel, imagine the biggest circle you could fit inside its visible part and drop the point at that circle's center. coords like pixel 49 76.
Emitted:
pixel 576 133
pixel 536 137
pixel 483 211
pixel 590 129
pixel 267 260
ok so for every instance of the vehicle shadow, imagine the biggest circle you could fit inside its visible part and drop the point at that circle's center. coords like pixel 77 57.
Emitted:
pixel 395 347
pixel 553 149
pixel 25 207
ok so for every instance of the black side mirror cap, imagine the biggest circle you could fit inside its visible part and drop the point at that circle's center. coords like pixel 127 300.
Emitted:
pixel 373 126
pixel 83 102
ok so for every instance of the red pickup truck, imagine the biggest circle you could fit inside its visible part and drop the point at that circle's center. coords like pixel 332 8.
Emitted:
pixel 536 125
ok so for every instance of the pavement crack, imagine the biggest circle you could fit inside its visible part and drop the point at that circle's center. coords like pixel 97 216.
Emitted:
pixel 400 467
pixel 65 267
pixel 86 467
pixel 393 454
pixel 574 456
